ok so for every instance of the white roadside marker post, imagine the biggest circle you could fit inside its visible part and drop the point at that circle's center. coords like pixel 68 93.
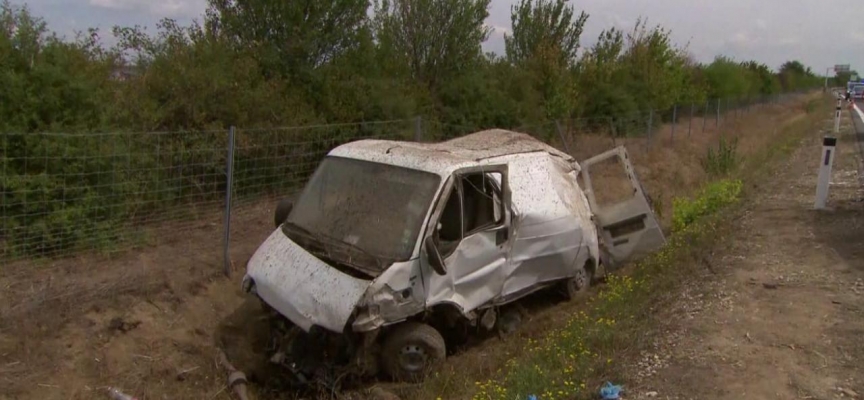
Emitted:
pixel 837 117
pixel 828 145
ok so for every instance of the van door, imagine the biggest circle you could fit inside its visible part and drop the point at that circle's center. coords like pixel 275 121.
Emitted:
pixel 471 229
pixel 626 222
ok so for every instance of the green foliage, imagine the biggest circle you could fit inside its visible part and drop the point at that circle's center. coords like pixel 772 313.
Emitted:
pixel 414 31
pixel 292 37
pixel 722 160
pixel 841 78
pixel 545 42
pixel 655 67
pixel 544 29
pixel 794 75
pixel 713 197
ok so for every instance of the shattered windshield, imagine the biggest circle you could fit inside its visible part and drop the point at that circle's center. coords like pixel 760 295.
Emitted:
pixel 375 209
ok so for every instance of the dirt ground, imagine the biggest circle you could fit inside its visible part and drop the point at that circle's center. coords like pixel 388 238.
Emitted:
pixel 150 320
pixel 779 313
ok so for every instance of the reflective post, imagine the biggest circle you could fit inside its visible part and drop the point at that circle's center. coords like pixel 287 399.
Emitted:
pixel 828 145
pixel 837 117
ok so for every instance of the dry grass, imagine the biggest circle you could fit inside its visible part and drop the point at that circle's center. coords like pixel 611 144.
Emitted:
pixel 59 337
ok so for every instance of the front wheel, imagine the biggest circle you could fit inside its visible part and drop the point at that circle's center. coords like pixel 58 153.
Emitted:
pixel 411 350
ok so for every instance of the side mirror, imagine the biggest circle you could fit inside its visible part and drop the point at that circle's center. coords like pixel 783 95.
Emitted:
pixel 434 256
pixel 283 209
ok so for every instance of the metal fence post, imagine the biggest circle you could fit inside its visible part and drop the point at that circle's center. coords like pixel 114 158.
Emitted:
pixel 4 185
pixel 561 136
pixel 717 120
pixel 612 130
pixel 705 115
pixel 674 121
pixel 229 172
pixel 418 129
pixel 650 125
pixel 690 123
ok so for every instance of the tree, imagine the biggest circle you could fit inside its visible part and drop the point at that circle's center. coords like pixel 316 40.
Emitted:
pixel 841 78
pixel 767 82
pixel 657 68
pixel 545 28
pixel 545 42
pixel 437 38
pixel 795 76
pixel 290 36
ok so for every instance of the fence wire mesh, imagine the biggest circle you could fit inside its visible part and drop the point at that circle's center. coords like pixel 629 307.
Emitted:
pixel 68 193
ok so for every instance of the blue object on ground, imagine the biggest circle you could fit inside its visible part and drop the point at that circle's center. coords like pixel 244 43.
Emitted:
pixel 532 397
pixel 610 391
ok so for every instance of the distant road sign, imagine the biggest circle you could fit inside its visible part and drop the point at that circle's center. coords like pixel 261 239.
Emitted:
pixel 841 68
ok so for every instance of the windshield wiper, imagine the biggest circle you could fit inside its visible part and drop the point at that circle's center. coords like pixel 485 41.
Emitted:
pixel 326 239
pixel 299 229
pixel 352 247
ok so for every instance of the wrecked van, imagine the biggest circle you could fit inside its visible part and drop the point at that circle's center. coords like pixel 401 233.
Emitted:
pixel 393 246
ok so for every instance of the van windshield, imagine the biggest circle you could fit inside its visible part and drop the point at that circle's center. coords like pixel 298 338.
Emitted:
pixel 353 206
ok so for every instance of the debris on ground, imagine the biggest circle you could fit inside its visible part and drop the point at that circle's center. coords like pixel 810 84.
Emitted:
pixel 236 378
pixel 121 325
pixel 116 394
pixel 610 391
pixel 848 392
pixel 377 393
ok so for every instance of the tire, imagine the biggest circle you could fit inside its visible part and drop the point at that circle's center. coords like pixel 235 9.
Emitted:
pixel 578 284
pixel 411 351
pixel 282 210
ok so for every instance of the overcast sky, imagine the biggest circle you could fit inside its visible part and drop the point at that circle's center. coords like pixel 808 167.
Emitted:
pixel 820 33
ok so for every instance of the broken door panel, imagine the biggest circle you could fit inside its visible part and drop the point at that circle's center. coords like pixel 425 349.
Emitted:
pixel 475 251
pixel 628 227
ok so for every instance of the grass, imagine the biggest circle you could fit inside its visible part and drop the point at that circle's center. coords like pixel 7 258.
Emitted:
pixel 592 345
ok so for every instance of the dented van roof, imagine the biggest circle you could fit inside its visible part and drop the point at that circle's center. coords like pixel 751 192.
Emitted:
pixel 443 158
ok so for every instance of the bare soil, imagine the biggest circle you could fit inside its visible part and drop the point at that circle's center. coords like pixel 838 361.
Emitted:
pixel 149 320
pixel 779 313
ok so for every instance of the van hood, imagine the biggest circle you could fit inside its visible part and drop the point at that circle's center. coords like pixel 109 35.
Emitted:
pixel 301 287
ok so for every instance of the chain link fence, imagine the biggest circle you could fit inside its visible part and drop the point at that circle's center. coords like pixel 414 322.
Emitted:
pixel 66 194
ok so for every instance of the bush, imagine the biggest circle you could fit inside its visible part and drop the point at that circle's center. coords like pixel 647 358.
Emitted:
pixel 722 160
pixel 710 199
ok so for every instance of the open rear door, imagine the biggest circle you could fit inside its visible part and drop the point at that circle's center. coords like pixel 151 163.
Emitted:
pixel 626 223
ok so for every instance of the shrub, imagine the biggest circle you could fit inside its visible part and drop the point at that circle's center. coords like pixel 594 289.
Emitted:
pixel 710 199
pixel 722 160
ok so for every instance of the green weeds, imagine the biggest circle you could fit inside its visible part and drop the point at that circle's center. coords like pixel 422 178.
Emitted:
pixel 713 197
pixel 723 160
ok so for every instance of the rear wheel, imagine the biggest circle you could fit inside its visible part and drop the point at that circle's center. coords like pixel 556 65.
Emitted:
pixel 578 284
pixel 411 350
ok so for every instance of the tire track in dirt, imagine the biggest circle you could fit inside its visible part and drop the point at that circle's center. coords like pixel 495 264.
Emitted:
pixel 783 317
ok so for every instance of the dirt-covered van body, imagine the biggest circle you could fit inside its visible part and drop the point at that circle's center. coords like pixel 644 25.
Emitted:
pixel 392 244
